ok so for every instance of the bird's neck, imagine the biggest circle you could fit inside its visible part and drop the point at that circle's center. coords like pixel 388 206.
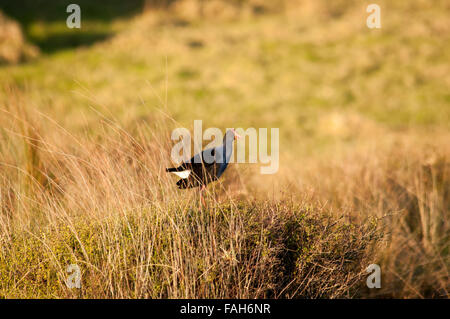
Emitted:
pixel 228 149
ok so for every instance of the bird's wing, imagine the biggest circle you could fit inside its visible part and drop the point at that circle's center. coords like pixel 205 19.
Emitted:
pixel 199 159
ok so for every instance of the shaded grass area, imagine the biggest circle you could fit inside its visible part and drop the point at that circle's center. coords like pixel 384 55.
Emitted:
pixel 248 251
pixel 44 22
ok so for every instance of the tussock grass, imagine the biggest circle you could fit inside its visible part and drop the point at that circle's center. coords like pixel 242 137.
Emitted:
pixel 407 188
pixel 221 252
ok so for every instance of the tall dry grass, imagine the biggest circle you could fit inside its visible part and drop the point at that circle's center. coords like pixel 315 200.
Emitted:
pixel 103 201
pixel 407 186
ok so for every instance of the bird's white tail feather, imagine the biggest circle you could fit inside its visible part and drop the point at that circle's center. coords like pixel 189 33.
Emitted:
pixel 183 174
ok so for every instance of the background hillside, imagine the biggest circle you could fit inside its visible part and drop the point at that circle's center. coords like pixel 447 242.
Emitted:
pixel 364 119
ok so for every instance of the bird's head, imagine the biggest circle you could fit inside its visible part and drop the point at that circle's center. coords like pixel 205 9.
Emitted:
pixel 230 136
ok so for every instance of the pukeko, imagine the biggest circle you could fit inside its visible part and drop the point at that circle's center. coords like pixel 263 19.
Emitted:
pixel 205 167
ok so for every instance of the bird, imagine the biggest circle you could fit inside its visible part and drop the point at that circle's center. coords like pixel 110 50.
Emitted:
pixel 207 166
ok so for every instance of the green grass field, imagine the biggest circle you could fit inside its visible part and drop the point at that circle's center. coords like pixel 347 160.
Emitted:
pixel 364 119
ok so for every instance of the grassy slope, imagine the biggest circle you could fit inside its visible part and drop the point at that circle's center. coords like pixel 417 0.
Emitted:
pixel 361 101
